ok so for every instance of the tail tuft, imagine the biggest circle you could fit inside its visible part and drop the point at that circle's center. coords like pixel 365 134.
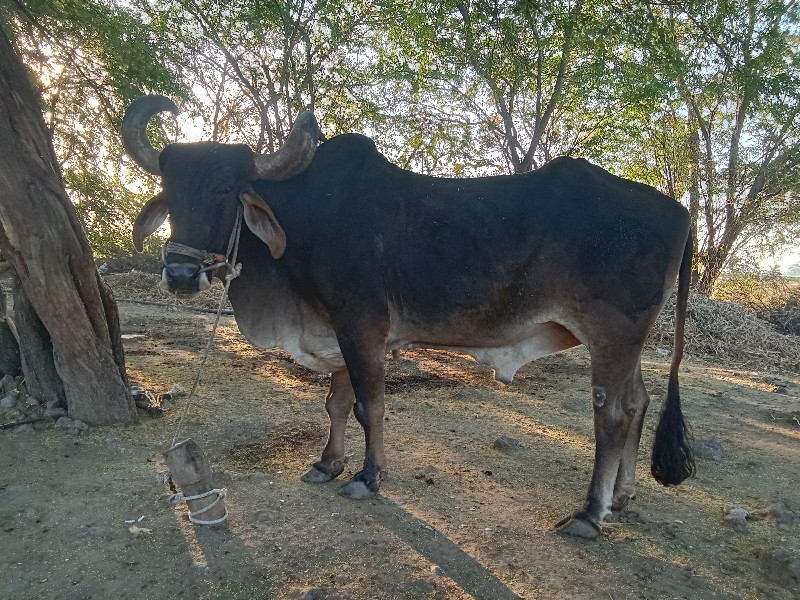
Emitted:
pixel 673 457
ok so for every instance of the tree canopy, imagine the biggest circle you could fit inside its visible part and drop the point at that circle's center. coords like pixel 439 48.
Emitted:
pixel 698 99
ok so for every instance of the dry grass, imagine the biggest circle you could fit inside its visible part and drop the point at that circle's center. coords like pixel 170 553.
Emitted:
pixel 142 287
pixel 729 333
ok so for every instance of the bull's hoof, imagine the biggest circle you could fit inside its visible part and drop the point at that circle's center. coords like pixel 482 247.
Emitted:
pixel 580 526
pixel 314 475
pixel 356 490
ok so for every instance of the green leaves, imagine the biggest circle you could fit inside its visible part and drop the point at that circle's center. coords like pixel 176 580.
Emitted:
pixel 697 98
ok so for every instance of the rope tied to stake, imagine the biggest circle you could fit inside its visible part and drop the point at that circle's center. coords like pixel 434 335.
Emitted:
pixel 234 270
pixel 220 492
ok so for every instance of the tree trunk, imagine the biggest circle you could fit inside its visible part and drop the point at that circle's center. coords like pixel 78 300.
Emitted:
pixel 9 346
pixel 42 239
pixel 36 352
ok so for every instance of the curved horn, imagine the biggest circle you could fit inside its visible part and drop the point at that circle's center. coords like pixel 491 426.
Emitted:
pixel 295 155
pixel 134 130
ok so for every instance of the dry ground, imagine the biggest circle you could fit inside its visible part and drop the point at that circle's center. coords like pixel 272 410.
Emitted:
pixel 458 518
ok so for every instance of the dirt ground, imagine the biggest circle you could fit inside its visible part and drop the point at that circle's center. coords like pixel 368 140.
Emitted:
pixel 458 517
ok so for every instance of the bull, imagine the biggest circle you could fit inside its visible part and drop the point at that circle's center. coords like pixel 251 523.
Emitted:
pixel 346 256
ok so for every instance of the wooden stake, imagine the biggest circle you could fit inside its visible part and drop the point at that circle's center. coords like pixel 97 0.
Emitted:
pixel 191 471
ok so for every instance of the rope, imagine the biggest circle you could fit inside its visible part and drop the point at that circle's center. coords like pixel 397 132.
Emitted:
pixel 234 270
pixel 175 248
pixel 220 492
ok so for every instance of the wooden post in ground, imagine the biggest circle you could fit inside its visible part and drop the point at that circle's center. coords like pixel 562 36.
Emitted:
pixel 191 471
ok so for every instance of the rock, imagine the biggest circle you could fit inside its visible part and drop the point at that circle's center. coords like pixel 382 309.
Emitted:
pixel 437 570
pixel 54 412
pixel 64 422
pixel 8 401
pixel 782 567
pixel 7 384
pixel 314 594
pixel 737 516
pixel 79 425
pixel 505 443
pixel 26 429
pixel 785 517
pixel 31 401
pixel 709 448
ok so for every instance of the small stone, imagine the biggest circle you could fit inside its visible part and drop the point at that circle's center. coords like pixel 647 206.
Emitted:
pixel 31 401
pixel 26 429
pixel 437 570
pixel 64 422
pixel 42 425
pixel 7 383
pixel 709 448
pixel 505 443
pixel 784 516
pixel 54 412
pixel 314 594
pixel 8 401
pixel 737 516
pixel 79 425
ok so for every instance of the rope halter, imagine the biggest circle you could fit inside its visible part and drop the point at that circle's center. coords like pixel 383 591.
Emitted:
pixel 209 260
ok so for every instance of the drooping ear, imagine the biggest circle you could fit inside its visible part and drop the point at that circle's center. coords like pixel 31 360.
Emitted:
pixel 262 222
pixel 153 214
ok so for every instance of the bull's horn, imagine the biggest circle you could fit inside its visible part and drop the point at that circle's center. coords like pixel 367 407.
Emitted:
pixel 295 155
pixel 134 130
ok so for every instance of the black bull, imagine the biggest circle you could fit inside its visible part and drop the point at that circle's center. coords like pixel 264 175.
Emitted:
pixel 346 256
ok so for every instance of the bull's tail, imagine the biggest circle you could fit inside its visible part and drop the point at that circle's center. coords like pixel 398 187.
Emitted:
pixel 673 457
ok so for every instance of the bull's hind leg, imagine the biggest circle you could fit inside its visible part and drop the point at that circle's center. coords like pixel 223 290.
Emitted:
pixel 614 399
pixel 625 486
pixel 338 403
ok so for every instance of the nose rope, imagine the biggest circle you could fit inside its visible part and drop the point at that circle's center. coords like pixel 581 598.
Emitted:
pixel 234 270
pixel 209 260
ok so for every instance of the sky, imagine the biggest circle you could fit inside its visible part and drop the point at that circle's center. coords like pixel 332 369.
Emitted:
pixel 784 261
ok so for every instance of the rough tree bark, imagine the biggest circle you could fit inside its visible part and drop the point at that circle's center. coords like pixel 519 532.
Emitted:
pixel 42 239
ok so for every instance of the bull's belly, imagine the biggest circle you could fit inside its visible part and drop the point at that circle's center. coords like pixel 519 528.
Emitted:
pixel 503 353
pixel 313 344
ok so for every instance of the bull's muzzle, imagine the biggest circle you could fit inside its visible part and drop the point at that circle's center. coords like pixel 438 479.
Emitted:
pixel 186 279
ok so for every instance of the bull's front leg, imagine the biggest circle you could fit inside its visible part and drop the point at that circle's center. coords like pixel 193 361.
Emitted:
pixel 338 403
pixel 364 353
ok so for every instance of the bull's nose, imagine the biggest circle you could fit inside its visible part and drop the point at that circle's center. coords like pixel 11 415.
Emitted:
pixel 183 278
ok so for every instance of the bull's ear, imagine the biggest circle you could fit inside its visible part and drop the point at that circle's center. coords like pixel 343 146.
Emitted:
pixel 153 214
pixel 262 222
